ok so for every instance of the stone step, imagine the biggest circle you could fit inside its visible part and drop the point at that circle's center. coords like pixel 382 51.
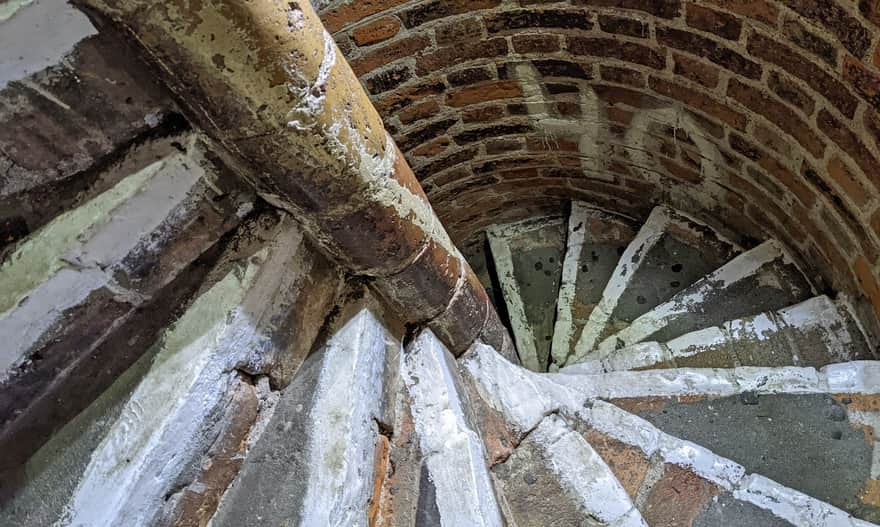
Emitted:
pixel 761 279
pixel 813 333
pixel 456 488
pixel 672 477
pixel 528 259
pixel 669 253
pixel 822 445
pixel 82 298
pixel 165 439
pixel 313 464
pixel 595 241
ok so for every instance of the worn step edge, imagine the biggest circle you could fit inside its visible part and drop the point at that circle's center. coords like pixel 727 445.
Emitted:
pixel 694 298
pixel 527 397
pixel 815 313
pixel 454 454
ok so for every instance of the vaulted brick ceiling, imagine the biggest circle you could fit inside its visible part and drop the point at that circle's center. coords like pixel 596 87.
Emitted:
pixel 760 115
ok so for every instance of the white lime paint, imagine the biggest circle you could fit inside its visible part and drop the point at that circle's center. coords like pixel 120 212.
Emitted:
pixel 563 329
pixel 525 398
pixel 627 266
pixel 36 34
pixel 522 329
pixel 694 298
pixel 343 431
pixel 159 429
pixel 77 253
pixel 581 469
pixel 453 451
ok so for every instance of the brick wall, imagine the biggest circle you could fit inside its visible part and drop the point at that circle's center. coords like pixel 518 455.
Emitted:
pixel 760 115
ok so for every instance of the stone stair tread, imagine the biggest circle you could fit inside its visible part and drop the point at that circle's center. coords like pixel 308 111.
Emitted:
pixel 528 259
pixel 814 333
pixel 595 241
pixel 669 253
pixel 758 280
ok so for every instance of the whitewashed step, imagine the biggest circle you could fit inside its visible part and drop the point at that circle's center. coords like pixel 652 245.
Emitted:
pixel 595 241
pixel 669 253
pixel 761 279
pixel 528 397
pixel 814 333
pixel 313 464
pixel 528 260
pixel 453 451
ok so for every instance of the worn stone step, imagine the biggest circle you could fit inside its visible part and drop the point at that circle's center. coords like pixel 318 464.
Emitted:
pixel 669 253
pixel 528 258
pixel 313 464
pixel 761 279
pixel 456 488
pixel 814 333
pixel 595 241
pixel 83 297
pixel 674 476
pixel 822 445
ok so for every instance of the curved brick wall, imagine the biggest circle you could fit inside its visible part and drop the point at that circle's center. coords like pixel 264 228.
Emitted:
pixel 761 115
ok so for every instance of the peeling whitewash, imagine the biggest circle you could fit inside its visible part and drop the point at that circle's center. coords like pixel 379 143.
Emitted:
pixel 650 233
pixel 818 317
pixel 60 27
pixel 563 329
pixel 453 451
pixel 746 265
pixel 526 398
pixel 75 254
pixel 522 330
pixel 158 431
pixel 582 471
pixel 342 429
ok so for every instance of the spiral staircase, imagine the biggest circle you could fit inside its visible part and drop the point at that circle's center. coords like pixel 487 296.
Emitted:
pixel 665 376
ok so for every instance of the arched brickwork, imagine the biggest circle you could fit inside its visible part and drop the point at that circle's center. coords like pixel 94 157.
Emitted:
pixel 759 114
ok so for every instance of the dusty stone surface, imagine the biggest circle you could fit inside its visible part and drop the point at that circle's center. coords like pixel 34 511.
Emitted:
pixel 533 495
pixel 804 442
pixel 729 512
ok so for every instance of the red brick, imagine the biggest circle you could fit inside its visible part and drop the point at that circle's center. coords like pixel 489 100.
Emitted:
pixel 484 114
pixel 403 97
pixel 623 26
pixel 778 114
pixel 681 173
pixel 522 19
pixel 377 31
pixel 786 58
pixel 346 14
pixel 709 49
pixel 438 9
pixel 761 10
pixel 622 76
pixel 868 282
pixel 790 92
pixel 809 41
pixel 616 95
pixel 841 174
pixel 484 93
pixel 699 101
pixel 662 9
pixel 832 15
pixel 863 80
pixel 461 52
pixel 459 31
pixel 696 70
pixel 417 112
pixel 535 43
pixel 432 148
pixel 850 142
pixel 402 48
pixel 715 22
pixel 617 49
pixel 628 463
pixel 774 168
pixel 677 499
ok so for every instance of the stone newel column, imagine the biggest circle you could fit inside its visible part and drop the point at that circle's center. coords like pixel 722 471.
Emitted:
pixel 267 83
